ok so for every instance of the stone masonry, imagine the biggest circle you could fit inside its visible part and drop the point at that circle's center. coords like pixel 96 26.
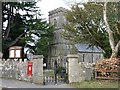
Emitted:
pixel 38 69
pixel 78 71
pixel 0 72
pixel 73 71
pixel 59 49
pixel 18 69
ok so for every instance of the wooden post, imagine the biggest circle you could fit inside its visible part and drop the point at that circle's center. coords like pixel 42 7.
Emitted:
pixel 95 73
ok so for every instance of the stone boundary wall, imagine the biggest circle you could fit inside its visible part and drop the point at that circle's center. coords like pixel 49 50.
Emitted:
pixel 14 69
pixel 85 71
pixel 78 71
pixel 0 67
pixel 18 69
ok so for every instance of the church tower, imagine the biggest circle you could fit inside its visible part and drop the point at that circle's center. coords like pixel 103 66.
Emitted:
pixel 60 47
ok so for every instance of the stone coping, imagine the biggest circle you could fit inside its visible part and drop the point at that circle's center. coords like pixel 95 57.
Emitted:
pixel 38 56
pixel 72 56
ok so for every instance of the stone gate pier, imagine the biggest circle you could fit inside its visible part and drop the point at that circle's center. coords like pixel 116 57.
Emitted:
pixel 78 71
pixel 38 69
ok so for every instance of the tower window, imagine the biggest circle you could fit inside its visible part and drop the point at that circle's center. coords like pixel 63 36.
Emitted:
pixel 55 22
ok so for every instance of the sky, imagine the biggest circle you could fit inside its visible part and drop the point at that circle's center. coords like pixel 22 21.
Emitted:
pixel 48 5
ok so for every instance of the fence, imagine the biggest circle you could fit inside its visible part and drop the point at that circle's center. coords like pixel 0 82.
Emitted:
pixel 108 69
pixel 107 74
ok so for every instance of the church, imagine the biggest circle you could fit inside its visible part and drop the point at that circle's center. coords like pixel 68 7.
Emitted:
pixel 60 48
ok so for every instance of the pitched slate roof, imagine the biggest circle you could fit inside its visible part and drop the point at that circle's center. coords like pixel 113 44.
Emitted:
pixel 86 48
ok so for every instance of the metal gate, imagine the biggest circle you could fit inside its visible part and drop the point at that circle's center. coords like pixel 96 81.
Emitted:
pixel 49 77
pixel 55 75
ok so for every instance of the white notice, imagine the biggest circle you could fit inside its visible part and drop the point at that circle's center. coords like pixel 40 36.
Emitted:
pixel 17 53
pixel 11 53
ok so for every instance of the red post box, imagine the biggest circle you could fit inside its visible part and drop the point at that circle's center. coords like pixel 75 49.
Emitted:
pixel 29 72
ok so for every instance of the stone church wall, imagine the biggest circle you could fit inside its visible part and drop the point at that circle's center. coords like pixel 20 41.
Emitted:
pixel 90 57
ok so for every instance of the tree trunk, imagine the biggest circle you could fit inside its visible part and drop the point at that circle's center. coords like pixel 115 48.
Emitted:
pixel 0 22
pixel 8 25
pixel 0 29
pixel 110 33
pixel 117 48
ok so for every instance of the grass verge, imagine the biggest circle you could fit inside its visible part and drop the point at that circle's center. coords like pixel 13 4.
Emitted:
pixel 96 84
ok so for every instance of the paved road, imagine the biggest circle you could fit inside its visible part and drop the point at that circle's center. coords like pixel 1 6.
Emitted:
pixel 8 83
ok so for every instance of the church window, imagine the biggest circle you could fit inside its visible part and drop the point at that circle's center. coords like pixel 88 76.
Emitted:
pixel 83 57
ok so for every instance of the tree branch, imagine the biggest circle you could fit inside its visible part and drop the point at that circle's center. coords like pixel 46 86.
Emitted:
pixel 93 36
pixel 13 42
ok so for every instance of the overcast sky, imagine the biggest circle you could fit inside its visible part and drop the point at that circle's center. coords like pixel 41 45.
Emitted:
pixel 48 5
